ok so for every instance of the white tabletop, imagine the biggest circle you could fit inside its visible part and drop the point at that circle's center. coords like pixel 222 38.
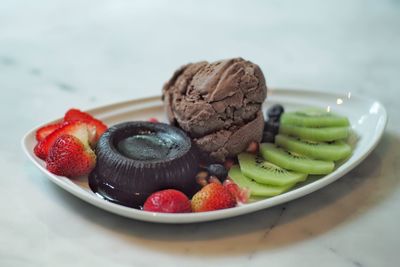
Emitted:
pixel 60 54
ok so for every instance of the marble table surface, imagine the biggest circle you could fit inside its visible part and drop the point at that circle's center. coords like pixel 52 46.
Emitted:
pixel 59 54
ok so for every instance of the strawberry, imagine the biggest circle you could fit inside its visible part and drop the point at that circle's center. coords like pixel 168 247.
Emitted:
pixel 95 125
pixel 71 156
pixel 44 131
pixel 169 200
pixel 241 195
pixel 213 196
pixel 155 120
pixel 42 148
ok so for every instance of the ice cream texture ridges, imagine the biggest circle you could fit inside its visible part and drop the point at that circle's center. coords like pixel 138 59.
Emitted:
pixel 218 104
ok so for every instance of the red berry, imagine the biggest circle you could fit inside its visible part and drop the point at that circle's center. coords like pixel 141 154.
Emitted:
pixel 241 195
pixel 213 196
pixel 232 187
pixel 71 156
pixel 167 201
pixel 74 128
pixel 44 131
pixel 96 126
pixel 153 120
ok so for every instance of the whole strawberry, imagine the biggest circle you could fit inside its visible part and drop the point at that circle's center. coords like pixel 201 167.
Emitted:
pixel 169 200
pixel 213 196
pixel 70 156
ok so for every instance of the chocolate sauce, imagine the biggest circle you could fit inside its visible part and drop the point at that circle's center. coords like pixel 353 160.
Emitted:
pixel 151 146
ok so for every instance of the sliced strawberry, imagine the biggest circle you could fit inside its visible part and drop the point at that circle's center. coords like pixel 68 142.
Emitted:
pixel 44 131
pixel 74 114
pixel 241 195
pixel 71 156
pixel 72 128
pixel 169 200
pixel 213 196
pixel 95 124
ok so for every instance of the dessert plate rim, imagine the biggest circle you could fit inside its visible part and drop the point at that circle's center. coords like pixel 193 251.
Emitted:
pixel 82 192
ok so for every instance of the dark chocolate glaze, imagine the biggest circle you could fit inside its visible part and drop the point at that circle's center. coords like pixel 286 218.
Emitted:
pixel 135 159
pixel 149 146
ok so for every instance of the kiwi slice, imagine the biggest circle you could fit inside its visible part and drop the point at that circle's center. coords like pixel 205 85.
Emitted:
pixel 317 150
pixel 293 161
pixel 315 134
pixel 264 172
pixel 313 118
pixel 256 189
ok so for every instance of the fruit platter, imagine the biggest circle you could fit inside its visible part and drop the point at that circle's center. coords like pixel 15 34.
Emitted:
pixel 222 146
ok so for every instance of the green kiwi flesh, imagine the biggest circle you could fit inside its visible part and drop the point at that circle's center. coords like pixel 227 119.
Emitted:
pixel 256 189
pixel 313 118
pixel 294 162
pixel 264 172
pixel 324 134
pixel 317 150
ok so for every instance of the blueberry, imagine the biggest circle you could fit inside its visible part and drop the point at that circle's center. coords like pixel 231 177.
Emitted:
pixel 268 137
pixel 275 111
pixel 272 126
pixel 217 170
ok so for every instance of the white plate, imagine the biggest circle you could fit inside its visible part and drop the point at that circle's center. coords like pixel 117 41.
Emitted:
pixel 367 116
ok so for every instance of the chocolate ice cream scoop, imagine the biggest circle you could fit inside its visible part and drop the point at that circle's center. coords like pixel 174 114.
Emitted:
pixel 218 104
